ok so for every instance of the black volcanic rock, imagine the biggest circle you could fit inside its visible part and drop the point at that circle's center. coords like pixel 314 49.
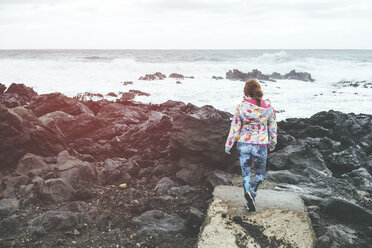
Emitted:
pixel 347 211
pixel 127 82
pixel 156 148
pixel 159 224
pixel 2 88
pixel 155 76
pixel 16 95
pixel 139 93
pixel 326 159
pixel 354 84
pixel 302 76
pixel 238 75
pixel 217 77
pixel 256 74
pixel 127 96
pixel 72 127
pixel 193 137
pixel 21 132
pixel 22 90
pixel 176 75
pixel 47 103
pixel 60 220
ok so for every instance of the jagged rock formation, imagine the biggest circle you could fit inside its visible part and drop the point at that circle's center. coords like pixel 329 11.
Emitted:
pixel 155 76
pixel 238 75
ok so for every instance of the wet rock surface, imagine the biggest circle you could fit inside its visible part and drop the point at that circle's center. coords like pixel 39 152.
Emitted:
pixel 123 159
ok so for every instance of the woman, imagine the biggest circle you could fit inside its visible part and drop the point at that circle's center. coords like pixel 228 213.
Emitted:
pixel 255 130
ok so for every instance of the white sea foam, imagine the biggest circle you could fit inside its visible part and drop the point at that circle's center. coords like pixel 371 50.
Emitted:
pixel 74 71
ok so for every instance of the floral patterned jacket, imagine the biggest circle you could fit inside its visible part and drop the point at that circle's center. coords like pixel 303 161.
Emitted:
pixel 253 124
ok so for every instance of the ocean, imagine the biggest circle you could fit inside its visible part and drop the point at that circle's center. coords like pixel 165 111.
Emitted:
pixel 102 71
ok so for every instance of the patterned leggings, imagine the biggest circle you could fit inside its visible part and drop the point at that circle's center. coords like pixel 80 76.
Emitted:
pixel 258 153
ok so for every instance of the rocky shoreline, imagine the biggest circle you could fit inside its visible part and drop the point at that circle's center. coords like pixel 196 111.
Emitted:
pixel 81 173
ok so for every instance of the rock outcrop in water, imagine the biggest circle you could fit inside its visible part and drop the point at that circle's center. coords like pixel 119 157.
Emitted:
pixel 354 84
pixel 238 75
pixel 94 172
pixel 176 75
pixel 155 76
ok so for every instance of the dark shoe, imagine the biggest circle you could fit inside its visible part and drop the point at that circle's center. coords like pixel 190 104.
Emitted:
pixel 250 201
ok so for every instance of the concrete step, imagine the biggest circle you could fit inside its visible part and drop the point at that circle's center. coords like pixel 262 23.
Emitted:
pixel 281 220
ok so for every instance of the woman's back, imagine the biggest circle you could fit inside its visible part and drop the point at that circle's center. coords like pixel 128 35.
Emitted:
pixel 251 123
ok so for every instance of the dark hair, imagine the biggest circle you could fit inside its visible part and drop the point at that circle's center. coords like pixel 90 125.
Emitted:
pixel 253 89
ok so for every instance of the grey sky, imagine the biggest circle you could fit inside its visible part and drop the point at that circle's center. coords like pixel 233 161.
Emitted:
pixel 177 24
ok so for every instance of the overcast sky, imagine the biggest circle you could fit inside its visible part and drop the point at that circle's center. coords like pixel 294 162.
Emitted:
pixel 186 24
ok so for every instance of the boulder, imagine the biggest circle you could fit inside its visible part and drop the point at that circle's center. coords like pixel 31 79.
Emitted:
pixel 346 160
pixel 47 103
pixel 155 76
pixel 127 114
pixel 298 157
pixel 8 206
pixel 11 100
pixel 112 94
pixel 57 190
pixel 80 207
pixel 181 191
pixel 219 177
pixel 190 175
pixel 72 127
pixel 158 224
pixel 343 235
pixel 8 226
pixel 176 75
pixel 191 136
pixel 255 74
pixel 285 176
pixel 31 163
pixel 347 211
pixel 164 185
pixel 16 95
pixel 150 138
pixel 302 76
pixel 22 132
pixel 60 220
pixel 22 90
pixel 360 178
pixel 127 96
pixel 15 181
pixel 139 93
pixel 109 172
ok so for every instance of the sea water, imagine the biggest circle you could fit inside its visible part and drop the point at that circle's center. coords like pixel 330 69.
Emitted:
pixel 102 71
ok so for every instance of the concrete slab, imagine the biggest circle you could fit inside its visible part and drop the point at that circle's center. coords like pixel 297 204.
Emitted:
pixel 281 220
